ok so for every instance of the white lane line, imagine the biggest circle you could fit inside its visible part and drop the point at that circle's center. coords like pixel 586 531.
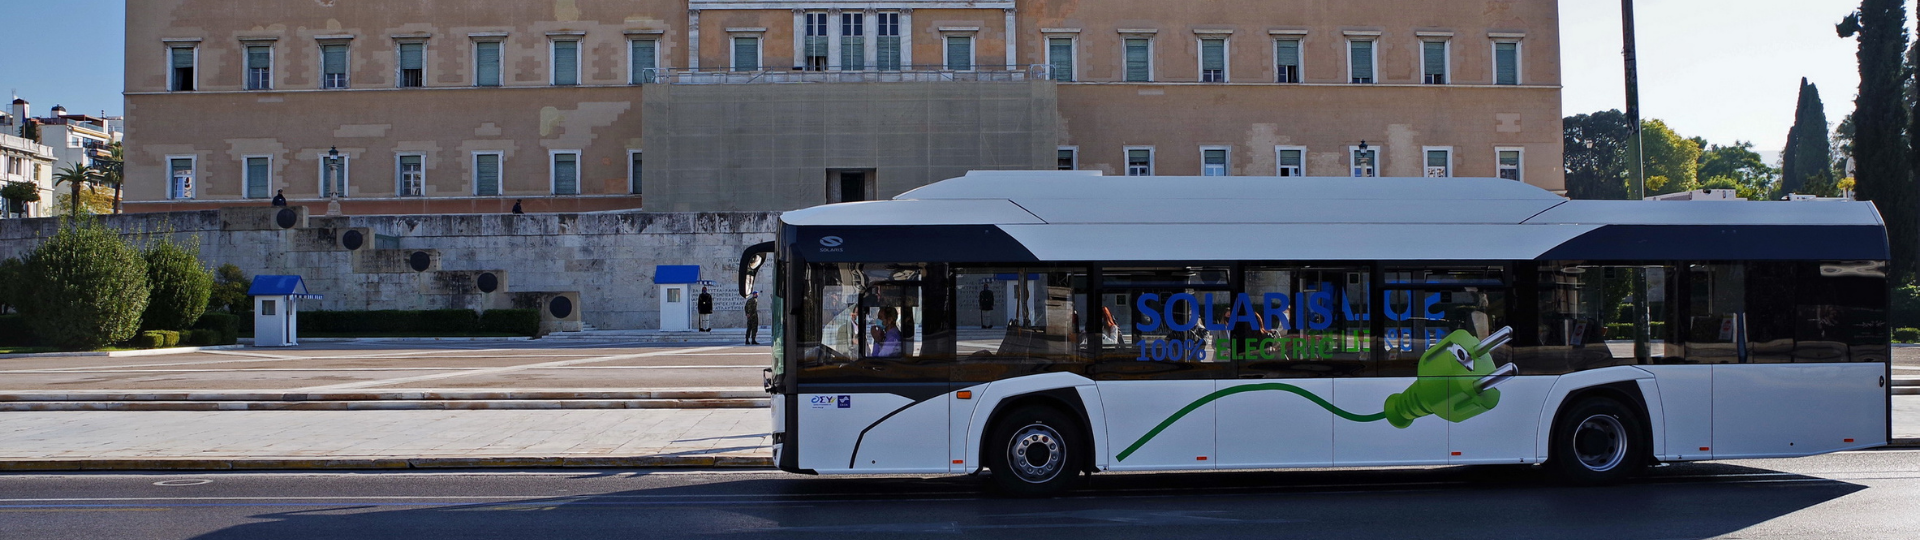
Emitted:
pixel 498 370
pixel 245 361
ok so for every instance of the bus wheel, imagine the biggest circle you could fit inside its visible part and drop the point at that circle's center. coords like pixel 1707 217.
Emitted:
pixel 1597 442
pixel 1033 453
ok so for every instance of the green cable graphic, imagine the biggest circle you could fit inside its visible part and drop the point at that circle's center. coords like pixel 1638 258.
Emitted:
pixel 1456 382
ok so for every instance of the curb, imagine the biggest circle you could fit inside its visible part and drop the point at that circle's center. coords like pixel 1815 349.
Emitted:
pixel 372 463
pixel 147 352
pixel 1907 442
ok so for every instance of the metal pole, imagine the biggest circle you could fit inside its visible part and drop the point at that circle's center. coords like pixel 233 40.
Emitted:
pixel 1642 318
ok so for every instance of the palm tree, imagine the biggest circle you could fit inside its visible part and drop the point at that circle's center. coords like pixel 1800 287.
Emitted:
pixel 113 171
pixel 73 176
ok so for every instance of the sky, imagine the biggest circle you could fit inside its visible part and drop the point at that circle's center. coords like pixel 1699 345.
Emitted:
pixel 1726 70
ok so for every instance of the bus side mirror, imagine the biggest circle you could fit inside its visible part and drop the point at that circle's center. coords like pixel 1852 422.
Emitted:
pixel 750 263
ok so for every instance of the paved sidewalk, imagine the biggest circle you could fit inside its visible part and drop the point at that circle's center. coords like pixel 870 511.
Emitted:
pixel 384 439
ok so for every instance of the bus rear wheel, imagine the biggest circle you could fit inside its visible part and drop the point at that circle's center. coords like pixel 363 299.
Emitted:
pixel 1034 452
pixel 1598 441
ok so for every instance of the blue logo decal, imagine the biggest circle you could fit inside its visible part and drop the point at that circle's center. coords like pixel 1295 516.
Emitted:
pixel 846 402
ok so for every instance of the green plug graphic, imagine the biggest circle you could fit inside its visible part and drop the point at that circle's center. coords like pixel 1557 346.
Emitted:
pixel 1457 380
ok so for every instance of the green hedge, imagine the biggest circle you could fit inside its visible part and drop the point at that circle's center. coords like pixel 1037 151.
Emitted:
pixel 14 332
pixel 1906 335
pixel 156 339
pixel 450 322
pixel 214 328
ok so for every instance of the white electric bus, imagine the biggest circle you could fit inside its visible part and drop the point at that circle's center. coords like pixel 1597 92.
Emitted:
pixel 1044 324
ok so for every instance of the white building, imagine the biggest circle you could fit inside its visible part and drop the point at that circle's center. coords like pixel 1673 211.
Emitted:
pixel 26 162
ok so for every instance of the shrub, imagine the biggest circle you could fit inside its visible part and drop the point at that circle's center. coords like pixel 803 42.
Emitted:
pixel 524 322
pixel 15 333
pixel 462 321
pixel 1906 307
pixel 1906 335
pixel 180 286
pixel 229 292
pixel 88 287
pixel 10 279
pixel 151 339
pixel 218 328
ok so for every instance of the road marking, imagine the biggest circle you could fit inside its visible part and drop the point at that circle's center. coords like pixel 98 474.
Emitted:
pixel 323 370
pixel 499 370
pixel 245 361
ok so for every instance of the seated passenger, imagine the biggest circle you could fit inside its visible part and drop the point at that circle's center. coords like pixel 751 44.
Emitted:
pixel 886 335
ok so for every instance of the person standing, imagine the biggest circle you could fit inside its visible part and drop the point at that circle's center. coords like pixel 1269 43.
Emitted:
pixel 986 306
pixel 706 311
pixel 280 198
pixel 753 318
pixel 516 208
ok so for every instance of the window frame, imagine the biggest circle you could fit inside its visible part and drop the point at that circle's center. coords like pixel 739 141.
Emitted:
pixel 900 61
pixel 1519 61
pixel 173 74
pixel 1446 61
pixel 346 175
pixel 193 177
pixel 1300 58
pixel 1452 163
pixel 1073 58
pixel 1280 164
pixel 759 52
pixel 1226 59
pixel 1226 168
pixel 553 59
pixel 1519 169
pixel 553 172
pixel 1353 159
pixel 634 186
pixel 500 169
pixel 1124 38
pixel 500 59
pixel 399 173
pixel 848 18
pixel 346 61
pixel 246 181
pixel 946 51
pixel 1075 150
pixel 1126 160
pixel 639 76
pixel 809 23
pixel 1373 65
pixel 246 67
pixel 399 62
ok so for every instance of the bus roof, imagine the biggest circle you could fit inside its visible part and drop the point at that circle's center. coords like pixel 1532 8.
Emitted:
pixel 1082 216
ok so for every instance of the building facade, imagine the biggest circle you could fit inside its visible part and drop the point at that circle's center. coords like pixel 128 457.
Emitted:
pixel 756 105
pixel 25 162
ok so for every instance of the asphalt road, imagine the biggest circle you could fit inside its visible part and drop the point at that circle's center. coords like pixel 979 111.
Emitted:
pixel 1873 494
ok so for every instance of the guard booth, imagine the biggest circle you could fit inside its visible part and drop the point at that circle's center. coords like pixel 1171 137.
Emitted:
pixel 276 308
pixel 676 296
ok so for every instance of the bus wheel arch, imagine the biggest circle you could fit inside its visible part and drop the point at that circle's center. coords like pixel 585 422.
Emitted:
pixel 1066 403
pixel 1617 409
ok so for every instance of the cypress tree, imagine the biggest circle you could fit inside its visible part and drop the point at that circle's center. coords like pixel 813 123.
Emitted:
pixel 1809 150
pixel 1882 172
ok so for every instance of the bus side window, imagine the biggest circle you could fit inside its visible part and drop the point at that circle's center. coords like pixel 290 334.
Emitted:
pixel 1018 314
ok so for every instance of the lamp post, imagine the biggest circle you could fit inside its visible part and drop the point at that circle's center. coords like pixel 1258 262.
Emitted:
pixel 333 187
pixel 1366 160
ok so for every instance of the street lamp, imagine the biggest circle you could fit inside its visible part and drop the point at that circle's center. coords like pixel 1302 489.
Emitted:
pixel 1366 160
pixel 333 187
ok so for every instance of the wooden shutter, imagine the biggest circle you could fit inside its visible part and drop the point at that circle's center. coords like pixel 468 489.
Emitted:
pixel 1138 60
pixel 1362 58
pixel 488 56
pixel 257 171
pixel 486 172
pixel 1060 54
pixel 566 62
pixel 644 56
pixel 1506 59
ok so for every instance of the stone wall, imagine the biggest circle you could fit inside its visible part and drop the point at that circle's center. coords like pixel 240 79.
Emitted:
pixel 436 262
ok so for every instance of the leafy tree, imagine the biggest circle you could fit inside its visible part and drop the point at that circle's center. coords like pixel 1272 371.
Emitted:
pixel 1737 167
pixel 74 176
pixel 1596 150
pixel 230 290
pixel 29 130
pixel 88 287
pixel 19 194
pixel 113 171
pixel 180 286
pixel 10 280
pixel 91 201
pixel 1673 162
pixel 1809 151
pixel 1880 153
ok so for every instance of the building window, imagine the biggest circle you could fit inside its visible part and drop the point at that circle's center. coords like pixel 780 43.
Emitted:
pixel 1366 163
pixel 180 178
pixel 486 174
pixel 1433 62
pixel 853 41
pixel 334 175
pixel 1506 63
pixel 1286 60
pixel 333 66
pixel 566 173
pixel 633 172
pixel 1439 163
pixel 960 53
pixel 1213 60
pixel 182 60
pixel 413 65
pixel 1139 57
pixel 259 67
pixel 1214 161
pixel 645 59
pixel 1060 58
pixel 259 177
pixel 486 63
pixel 1512 163
pixel 412 175
pixel 1291 161
pixel 1360 57
pixel 815 43
pixel 887 54
pixel 746 53
pixel 1140 161
pixel 566 63
pixel 1069 158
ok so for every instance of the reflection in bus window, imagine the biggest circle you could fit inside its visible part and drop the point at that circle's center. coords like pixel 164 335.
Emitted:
pixel 1034 316
pixel 848 305
pixel 1313 322
pixel 1424 306
pixel 1587 318
pixel 1166 323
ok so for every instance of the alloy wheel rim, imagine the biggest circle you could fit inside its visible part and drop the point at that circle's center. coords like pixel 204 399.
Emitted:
pixel 1600 443
pixel 1036 454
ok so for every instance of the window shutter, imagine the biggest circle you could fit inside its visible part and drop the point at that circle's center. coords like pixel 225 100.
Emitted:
pixel 889 53
pixel 1290 158
pixel 1137 60
pixel 1506 56
pixel 566 174
pixel 643 60
pixel 182 57
pixel 1363 60
pixel 259 57
pixel 1436 57
pixel 853 53
pixel 486 172
pixel 257 177
pixel 1287 52
pixel 746 54
pixel 566 62
pixel 1060 53
pixel 816 45
pixel 412 56
pixel 959 53
pixel 488 56
pixel 1213 54
pixel 334 59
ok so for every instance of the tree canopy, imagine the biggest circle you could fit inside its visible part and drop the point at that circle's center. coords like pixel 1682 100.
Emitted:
pixel 1596 150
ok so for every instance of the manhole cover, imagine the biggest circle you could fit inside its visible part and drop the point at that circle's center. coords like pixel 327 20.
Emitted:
pixel 420 260
pixel 560 307
pixel 352 240
pixel 488 282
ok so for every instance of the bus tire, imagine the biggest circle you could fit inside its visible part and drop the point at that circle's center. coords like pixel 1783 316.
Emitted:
pixel 1034 452
pixel 1598 441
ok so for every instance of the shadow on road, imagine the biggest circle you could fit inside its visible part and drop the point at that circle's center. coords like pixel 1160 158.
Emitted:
pixel 1684 501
